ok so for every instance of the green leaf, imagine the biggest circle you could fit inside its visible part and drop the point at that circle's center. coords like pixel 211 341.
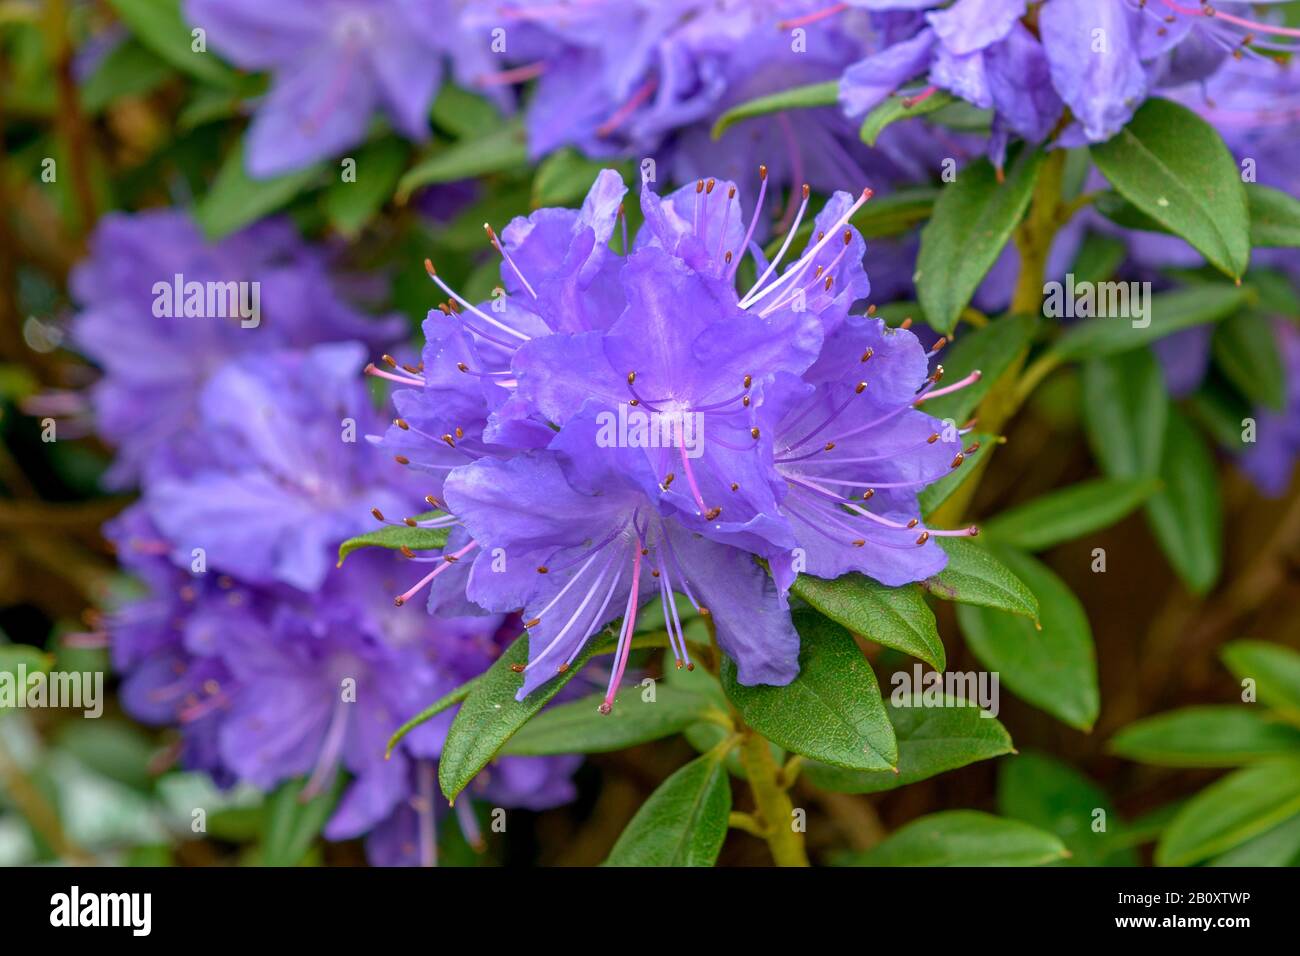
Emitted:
pixel 236 199
pixel 1206 737
pixel 129 69
pixel 564 177
pixel 963 838
pixel 464 114
pixel 1169 312
pixel 31 659
pixel 972 221
pixel 1053 796
pixel 292 825
pixel 1246 349
pixel 159 25
pixel 1174 167
pixel 503 148
pixel 936 493
pixel 974 576
pixel 1279 846
pixel 1186 515
pixel 894 617
pixel 897 108
pixel 445 702
pixel 799 97
pixel 1274 669
pixel 578 727
pixel 1054 668
pixel 1231 811
pixel 990 350
pixel 683 823
pixel 1124 413
pixel 396 537
pixel 931 741
pixel 1274 217
pixel 1069 513
pixel 350 205
pixel 831 712
pixel 1099 258
pixel 490 715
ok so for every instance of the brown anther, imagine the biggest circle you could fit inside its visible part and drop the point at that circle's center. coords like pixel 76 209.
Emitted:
pixel 691 666
pixel 604 708
pixel 410 522
pixel 753 433
pixel 745 401
pixel 631 378
pixel 932 439
pixel 708 187
pixel 974 447
pixel 748 380
pixel 398 601
pixel 867 354
pixel 406 552
pixel 379 515
pixel 428 267
pixel 451 442
pixel 704 611
pixel 731 193
pixel 727 257
pixel 829 446
pixel 806 190
pixel 848 236
pixel 542 569
pixel 517 668
pixel 906 323
pixel 680 665
pixel 533 623
pixel 450 558
pixel 957 459
pixel 859 388
pixel 871 311
pixel 973 531
pixel 401 423
pixel 413 369
pixel 564 666
pixel 433 502
pixel 858 542
pixel 654 572
pixel 389 360
pixel 817 273
pixel 460 432
pixel 462 366
pixel 713 513
pixel 829 282
pixel 762 172
pixel 634 402
pixel 937 374
pixel 668 479
pixel 868 494
pixel 699 187
pixel 943 340
pixel 401 459
pixel 913 523
pixel 924 537
pixel 442 307
pixel 735 486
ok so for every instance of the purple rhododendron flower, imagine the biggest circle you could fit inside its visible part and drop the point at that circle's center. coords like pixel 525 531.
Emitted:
pixel 1099 58
pixel 729 391
pixel 335 64
pixel 1271 461
pixel 156 354
pixel 285 477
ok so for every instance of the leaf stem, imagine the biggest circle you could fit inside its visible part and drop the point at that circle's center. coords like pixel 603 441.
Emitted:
pixel 773 802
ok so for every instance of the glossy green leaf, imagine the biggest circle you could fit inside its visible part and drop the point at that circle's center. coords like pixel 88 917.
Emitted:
pixel 799 97
pixel 894 617
pixel 1124 413
pixel 963 838
pixel 1206 737
pixel 972 221
pixel 975 576
pixel 683 823
pixel 1053 796
pixel 1054 668
pixel 1231 811
pixel 931 740
pixel 1169 312
pixel 1274 669
pixel 490 715
pixel 501 149
pixel 1069 513
pixel 1274 217
pixel 896 108
pixel 236 199
pixel 1279 846
pixel 831 712
pixel 1186 514
pixel 291 825
pixel 1246 350
pixel 396 537
pixel 579 727
pixel 1174 167
pixel 564 177
pixel 160 25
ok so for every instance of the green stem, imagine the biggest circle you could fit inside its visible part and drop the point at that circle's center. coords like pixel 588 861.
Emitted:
pixel 774 806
